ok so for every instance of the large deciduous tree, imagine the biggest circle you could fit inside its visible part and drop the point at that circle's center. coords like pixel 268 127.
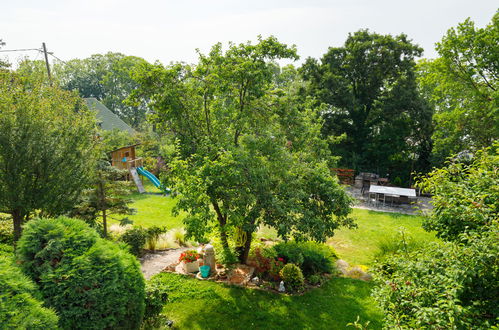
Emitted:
pixel 248 153
pixel 106 77
pixel 462 85
pixel 46 148
pixel 371 95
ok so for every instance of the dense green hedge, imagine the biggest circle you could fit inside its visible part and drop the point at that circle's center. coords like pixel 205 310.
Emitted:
pixel 20 307
pixel 90 282
pixel 444 286
pixel 311 257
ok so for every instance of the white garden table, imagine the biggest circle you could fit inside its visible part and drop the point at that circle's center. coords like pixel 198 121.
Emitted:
pixel 390 191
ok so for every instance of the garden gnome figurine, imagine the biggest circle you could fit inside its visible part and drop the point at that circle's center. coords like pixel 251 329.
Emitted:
pixel 281 287
pixel 209 257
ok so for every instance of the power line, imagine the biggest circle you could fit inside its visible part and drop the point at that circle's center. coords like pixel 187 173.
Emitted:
pixel 19 50
pixel 57 58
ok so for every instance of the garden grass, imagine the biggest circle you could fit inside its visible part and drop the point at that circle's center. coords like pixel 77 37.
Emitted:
pixel 154 209
pixel 360 245
pixel 195 304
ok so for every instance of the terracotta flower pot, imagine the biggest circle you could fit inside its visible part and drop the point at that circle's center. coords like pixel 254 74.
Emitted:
pixel 190 267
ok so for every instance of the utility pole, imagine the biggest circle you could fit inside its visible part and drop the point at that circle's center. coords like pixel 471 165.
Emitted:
pixel 47 62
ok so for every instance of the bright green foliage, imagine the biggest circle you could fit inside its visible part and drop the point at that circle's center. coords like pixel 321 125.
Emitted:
pixel 107 78
pixel 6 230
pixel 462 85
pixel 46 148
pixel 107 196
pixel 465 196
pixel 370 92
pixel 156 298
pixel 112 140
pixel 238 165
pixel 447 286
pixel 20 305
pixel 90 282
pixel 135 238
pixel 311 257
pixel 292 276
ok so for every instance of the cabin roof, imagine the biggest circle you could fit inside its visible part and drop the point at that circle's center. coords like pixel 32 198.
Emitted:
pixel 130 146
pixel 107 119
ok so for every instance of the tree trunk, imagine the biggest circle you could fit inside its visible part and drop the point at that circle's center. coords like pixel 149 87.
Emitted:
pixel 222 221
pixel 243 256
pixel 104 222
pixel 17 217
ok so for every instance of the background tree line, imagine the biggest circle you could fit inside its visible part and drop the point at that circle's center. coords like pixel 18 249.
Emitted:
pixel 383 110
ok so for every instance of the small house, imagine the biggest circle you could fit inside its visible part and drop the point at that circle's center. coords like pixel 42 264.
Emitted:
pixel 125 158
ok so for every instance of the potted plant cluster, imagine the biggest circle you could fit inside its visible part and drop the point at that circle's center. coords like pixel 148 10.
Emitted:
pixel 189 261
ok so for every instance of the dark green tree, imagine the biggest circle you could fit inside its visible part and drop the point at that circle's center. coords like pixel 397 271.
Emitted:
pixel 46 148
pixel 106 197
pixel 370 93
pixel 247 154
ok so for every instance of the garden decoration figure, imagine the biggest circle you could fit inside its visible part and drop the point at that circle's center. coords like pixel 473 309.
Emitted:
pixel 281 287
pixel 209 256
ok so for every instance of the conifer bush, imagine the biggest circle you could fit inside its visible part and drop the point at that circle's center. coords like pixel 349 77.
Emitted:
pixel 89 281
pixel 20 305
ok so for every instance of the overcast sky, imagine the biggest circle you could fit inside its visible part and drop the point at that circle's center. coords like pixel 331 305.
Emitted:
pixel 172 30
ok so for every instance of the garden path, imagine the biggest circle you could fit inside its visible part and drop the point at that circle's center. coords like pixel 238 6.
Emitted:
pixel 154 262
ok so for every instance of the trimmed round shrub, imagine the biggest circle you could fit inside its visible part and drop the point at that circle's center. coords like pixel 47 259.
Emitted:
pixel 90 282
pixel 47 242
pixel 292 276
pixel 135 238
pixel 20 307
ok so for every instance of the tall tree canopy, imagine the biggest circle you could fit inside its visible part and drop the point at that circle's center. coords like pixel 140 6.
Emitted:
pixel 46 148
pixel 108 78
pixel 371 95
pixel 462 85
pixel 248 154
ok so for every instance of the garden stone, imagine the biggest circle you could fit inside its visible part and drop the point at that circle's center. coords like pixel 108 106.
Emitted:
pixel 342 266
pixel 209 257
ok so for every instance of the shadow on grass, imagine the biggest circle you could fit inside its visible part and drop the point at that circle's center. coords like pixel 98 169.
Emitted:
pixel 218 306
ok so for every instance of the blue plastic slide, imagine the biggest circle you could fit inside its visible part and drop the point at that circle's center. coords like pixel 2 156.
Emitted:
pixel 155 181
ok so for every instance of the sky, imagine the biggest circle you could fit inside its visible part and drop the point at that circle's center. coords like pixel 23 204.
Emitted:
pixel 167 30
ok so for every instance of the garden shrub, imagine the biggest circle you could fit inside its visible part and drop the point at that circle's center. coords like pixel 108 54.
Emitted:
pixel 311 257
pixel 6 230
pixel 314 279
pixel 266 262
pixel 465 196
pixel 156 297
pixel 292 276
pixel 135 238
pixel 444 286
pixel 45 242
pixel 152 236
pixel 20 305
pixel 89 281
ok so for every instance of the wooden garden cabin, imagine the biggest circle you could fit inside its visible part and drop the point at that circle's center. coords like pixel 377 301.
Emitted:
pixel 125 158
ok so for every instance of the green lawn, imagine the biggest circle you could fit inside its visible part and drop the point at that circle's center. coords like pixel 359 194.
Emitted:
pixel 198 304
pixel 359 246
pixel 154 209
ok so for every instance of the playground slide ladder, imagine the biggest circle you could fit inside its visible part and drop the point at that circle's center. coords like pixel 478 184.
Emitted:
pixel 136 179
